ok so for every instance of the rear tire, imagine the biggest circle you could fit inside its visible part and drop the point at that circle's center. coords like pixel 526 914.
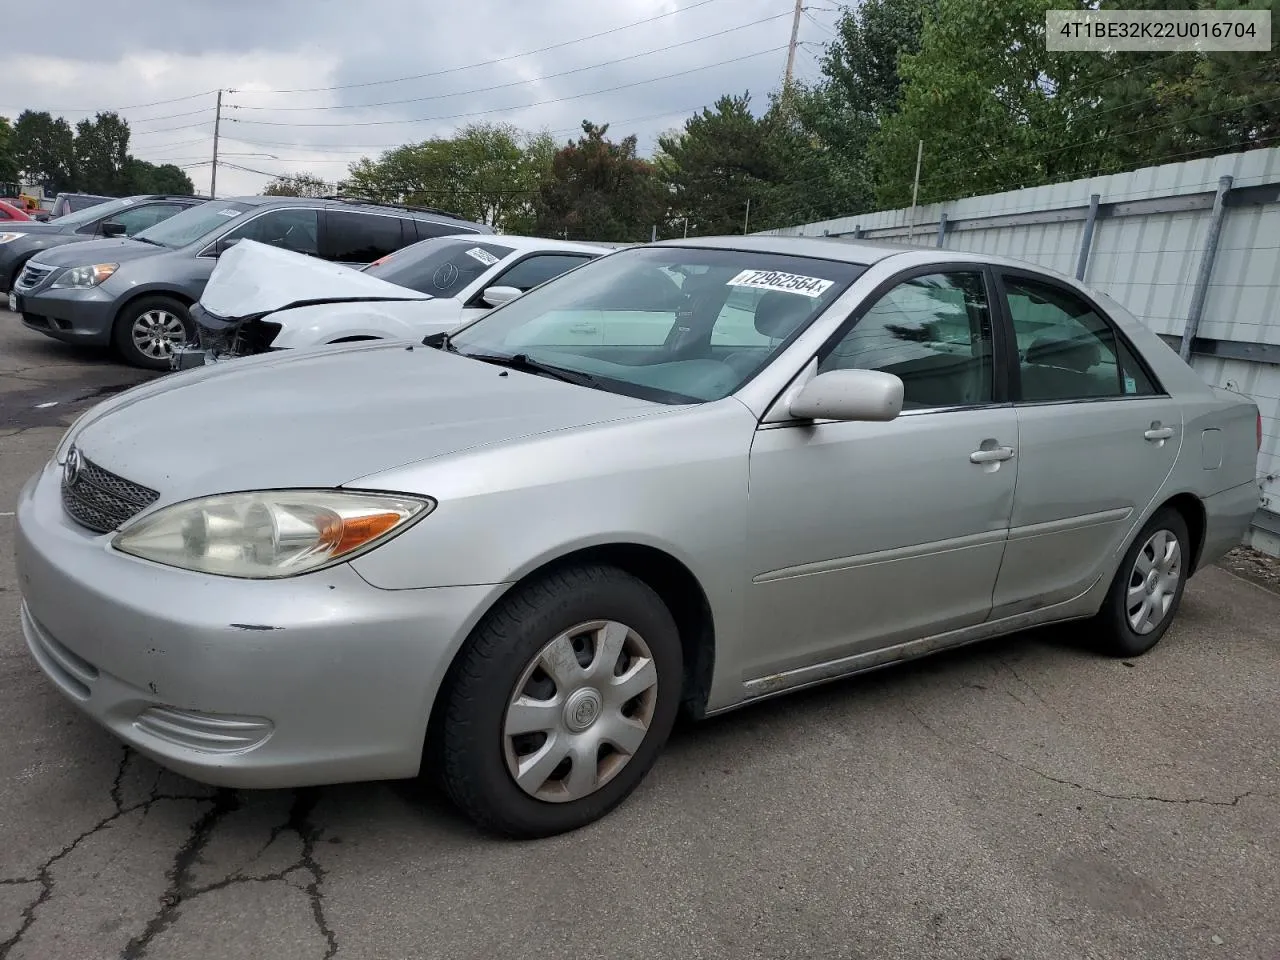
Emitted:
pixel 1147 589
pixel 559 702
pixel 147 331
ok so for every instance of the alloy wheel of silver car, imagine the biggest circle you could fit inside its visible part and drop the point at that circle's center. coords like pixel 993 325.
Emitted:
pixel 579 711
pixel 156 332
pixel 1153 581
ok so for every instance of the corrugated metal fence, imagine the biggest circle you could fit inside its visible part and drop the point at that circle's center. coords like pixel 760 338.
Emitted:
pixel 1192 249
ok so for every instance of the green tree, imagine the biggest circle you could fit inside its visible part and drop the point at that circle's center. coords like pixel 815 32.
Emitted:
pixel 599 189
pixel 486 172
pixel 143 177
pixel 45 150
pixel 859 90
pixel 8 157
pixel 102 154
pixel 299 185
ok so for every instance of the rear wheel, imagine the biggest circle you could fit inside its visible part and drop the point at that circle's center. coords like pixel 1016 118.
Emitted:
pixel 560 702
pixel 1147 589
pixel 149 329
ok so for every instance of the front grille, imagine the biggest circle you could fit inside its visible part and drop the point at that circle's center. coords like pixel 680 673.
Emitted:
pixel 31 276
pixel 100 500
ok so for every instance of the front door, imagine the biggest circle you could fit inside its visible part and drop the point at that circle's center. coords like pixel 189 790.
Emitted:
pixel 865 535
pixel 1097 438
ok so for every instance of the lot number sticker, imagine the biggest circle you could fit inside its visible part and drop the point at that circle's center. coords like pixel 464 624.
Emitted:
pixel 484 256
pixel 785 282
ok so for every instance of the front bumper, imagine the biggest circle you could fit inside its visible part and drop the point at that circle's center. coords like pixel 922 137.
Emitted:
pixel 72 316
pixel 317 679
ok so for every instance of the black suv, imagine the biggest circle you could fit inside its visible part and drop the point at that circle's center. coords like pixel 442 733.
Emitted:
pixel 21 240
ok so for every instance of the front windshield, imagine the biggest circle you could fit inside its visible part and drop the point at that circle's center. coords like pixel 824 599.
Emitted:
pixel 441 267
pixel 672 324
pixel 193 223
pixel 87 214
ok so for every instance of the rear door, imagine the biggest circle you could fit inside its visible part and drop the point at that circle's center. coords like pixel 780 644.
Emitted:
pixel 1097 437
pixel 356 238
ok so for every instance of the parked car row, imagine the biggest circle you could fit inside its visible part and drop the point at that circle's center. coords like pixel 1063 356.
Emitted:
pixel 687 475
pixel 134 287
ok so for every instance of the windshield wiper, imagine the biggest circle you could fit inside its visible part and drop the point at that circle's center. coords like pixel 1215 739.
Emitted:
pixel 142 239
pixel 522 361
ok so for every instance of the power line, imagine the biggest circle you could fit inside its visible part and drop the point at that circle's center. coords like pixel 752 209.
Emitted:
pixel 523 82
pixel 488 63
pixel 135 106
pixel 521 106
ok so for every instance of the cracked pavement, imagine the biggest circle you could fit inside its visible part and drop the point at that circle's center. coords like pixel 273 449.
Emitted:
pixel 1018 799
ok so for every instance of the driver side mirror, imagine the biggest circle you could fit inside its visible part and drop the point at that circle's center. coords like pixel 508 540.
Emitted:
pixel 497 296
pixel 112 228
pixel 868 395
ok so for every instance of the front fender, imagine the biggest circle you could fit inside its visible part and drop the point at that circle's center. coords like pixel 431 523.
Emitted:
pixel 315 325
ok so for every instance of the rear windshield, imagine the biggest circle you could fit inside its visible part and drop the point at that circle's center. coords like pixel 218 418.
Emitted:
pixel 193 223
pixel 440 267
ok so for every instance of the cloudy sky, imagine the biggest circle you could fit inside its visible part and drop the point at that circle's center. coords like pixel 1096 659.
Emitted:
pixel 314 78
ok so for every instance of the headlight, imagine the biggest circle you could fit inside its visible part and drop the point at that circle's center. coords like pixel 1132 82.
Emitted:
pixel 7 237
pixel 270 534
pixel 89 276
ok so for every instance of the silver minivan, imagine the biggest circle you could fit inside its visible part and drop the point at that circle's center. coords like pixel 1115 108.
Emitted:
pixel 135 293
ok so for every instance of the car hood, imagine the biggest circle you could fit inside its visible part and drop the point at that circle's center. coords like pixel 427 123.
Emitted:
pixel 327 417
pixel 114 250
pixel 254 278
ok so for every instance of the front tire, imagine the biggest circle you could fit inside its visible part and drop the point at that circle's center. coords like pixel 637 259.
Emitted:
pixel 1147 589
pixel 559 702
pixel 148 330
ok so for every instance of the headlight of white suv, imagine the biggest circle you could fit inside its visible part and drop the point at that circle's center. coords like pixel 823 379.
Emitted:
pixel 87 276
pixel 270 534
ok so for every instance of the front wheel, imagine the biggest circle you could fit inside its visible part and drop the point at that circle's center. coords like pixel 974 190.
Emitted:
pixel 1147 589
pixel 148 330
pixel 560 702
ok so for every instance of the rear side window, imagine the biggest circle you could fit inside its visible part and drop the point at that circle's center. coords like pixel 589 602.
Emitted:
pixel 139 218
pixel 432 228
pixel 352 237
pixel 1066 350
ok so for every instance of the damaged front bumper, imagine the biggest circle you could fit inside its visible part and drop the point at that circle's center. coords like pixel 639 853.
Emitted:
pixel 221 338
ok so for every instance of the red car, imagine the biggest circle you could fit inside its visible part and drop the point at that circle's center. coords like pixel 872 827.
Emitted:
pixel 9 211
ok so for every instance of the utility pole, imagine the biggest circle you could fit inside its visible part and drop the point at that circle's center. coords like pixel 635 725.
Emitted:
pixel 747 217
pixel 791 49
pixel 915 192
pixel 217 123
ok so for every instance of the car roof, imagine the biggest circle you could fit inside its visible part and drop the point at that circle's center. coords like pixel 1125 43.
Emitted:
pixel 522 244
pixel 351 203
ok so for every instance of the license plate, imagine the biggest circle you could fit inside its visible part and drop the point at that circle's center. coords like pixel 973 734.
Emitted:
pixel 13 302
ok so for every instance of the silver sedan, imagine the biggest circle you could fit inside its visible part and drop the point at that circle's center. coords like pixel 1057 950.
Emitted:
pixel 508 557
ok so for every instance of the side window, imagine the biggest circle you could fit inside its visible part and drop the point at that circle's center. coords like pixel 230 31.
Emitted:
pixel 934 332
pixel 735 324
pixel 139 218
pixel 360 237
pixel 527 274
pixel 432 228
pixel 1066 351
pixel 288 227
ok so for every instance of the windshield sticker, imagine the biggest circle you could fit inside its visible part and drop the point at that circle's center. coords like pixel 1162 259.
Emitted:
pixel 784 282
pixel 484 256
pixel 228 213
pixel 127 201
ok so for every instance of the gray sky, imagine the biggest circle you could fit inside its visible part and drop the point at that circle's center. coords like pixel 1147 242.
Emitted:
pixel 156 50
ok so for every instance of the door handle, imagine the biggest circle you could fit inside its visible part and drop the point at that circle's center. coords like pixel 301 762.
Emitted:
pixel 993 455
pixel 1159 433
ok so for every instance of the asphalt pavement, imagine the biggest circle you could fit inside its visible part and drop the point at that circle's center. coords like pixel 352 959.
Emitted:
pixel 1021 799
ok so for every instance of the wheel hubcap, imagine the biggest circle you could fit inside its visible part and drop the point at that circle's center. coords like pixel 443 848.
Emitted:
pixel 157 332
pixel 1153 581
pixel 580 711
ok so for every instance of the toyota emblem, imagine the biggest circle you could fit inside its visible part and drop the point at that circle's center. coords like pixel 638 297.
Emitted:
pixel 71 469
